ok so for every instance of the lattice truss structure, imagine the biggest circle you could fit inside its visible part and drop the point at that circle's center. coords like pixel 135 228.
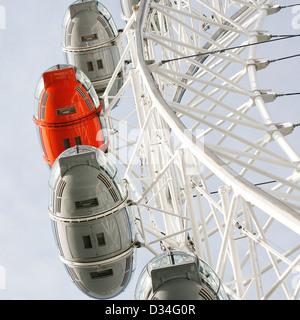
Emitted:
pixel 208 169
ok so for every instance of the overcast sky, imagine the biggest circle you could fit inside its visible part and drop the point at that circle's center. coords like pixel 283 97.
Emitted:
pixel 30 42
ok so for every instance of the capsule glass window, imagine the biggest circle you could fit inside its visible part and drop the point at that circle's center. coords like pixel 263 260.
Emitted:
pixel 168 259
pixel 103 129
pixel 65 23
pixel 51 199
pixel 59 66
pixel 132 226
pixel 93 95
pixel 108 17
pixel 83 79
pixel 208 275
pixel 121 186
pixel 144 286
pixel 55 174
pixel 55 233
pixel 37 96
pixel 67 18
pixel 38 130
pixel 180 258
pixel 106 164
pixel 210 278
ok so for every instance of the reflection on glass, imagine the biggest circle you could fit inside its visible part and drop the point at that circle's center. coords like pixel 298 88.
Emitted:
pixel 83 79
pixel 208 277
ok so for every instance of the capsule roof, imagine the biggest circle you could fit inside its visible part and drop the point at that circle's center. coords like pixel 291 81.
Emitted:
pixel 165 271
pixel 83 171
pixel 87 24
pixel 58 88
pixel 100 160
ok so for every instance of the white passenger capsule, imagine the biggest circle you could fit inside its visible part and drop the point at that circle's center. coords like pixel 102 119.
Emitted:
pixel 177 275
pixel 89 42
pixel 92 224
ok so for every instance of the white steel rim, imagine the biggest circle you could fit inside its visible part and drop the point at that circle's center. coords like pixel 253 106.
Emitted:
pixel 190 191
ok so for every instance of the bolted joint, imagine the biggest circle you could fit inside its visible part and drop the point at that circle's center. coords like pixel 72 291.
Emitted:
pixel 261 35
pixel 266 95
pixel 285 128
pixel 258 63
pixel 271 9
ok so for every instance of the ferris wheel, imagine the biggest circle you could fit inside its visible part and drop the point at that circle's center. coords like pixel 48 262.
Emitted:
pixel 208 169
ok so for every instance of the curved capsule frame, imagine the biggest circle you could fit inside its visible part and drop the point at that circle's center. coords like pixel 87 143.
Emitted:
pixel 108 43
pixel 90 116
pixel 120 206
pixel 102 262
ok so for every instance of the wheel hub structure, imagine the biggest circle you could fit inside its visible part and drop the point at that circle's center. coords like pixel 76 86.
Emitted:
pixel 208 168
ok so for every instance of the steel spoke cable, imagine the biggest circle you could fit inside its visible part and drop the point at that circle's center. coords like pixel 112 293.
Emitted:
pixel 289 6
pixel 284 58
pixel 277 38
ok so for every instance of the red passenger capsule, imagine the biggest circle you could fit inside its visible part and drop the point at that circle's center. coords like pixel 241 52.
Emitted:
pixel 67 112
